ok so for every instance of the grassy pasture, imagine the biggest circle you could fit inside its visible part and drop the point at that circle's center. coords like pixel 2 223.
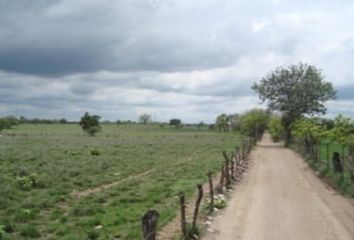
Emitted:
pixel 148 166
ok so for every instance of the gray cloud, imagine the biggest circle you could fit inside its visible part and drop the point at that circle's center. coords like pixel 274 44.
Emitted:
pixel 59 58
pixel 62 37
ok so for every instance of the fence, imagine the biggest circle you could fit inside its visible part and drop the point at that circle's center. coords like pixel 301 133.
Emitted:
pixel 231 170
pixel 335 158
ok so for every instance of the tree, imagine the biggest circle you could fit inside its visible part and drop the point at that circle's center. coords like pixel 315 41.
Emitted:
pixel 343 131
pixel 8 122
pixel 222 123
pixel 200 125
pixel 253 123
pixel 175 122
pixel 90 123
pixel 295 91
pixel 234 121
pixel 311 131
pixel 4 124
pixel 63 121
pixel 145 118
pixel 275 128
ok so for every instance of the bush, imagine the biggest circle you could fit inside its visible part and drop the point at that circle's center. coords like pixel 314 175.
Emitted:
pixel 175 122
pixel 6 226
pixel 93 235
pixel 27 182
pixel 2 231
pixel 275 128
pixel 253 123
pixel 95 152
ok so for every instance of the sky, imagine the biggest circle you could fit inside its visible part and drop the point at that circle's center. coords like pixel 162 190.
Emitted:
pixel 184 59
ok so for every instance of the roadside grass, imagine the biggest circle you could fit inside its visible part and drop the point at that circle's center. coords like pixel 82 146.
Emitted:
pixel 325 168
pixel 42 164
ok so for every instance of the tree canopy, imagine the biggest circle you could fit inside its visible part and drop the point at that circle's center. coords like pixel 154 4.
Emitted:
pixel 222 123
pixel 295 91
pixel 8 122
pixel 175 122
pixel 145 118
pixel 90 123
pixel 254 122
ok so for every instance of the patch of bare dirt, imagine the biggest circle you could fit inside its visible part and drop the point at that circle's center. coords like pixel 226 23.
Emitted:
pixel 101 188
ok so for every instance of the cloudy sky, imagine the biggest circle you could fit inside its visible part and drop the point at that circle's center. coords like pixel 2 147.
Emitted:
pixel 172 58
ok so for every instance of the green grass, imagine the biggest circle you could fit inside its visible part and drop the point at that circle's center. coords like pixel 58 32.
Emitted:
pixel 342 182
pixel 325 168
pixel 61 158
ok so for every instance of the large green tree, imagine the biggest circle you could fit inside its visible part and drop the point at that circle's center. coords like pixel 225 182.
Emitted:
pixel 90 123
pixel 295 91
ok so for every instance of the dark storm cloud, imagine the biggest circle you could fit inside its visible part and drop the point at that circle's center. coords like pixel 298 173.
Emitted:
pixel 121 58
pixel 63 37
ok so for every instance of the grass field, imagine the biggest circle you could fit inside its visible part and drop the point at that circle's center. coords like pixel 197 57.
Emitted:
pixel 49 176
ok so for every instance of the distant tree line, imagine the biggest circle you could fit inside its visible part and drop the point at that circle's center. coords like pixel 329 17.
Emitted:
pixel 251 123
pixel 23 119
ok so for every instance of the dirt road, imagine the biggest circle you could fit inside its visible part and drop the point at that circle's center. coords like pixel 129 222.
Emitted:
pixel 282 199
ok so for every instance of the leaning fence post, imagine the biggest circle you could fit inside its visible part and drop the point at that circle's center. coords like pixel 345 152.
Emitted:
pixel 183 215
pixel 197 204
pixel 211 191
pixel 149 224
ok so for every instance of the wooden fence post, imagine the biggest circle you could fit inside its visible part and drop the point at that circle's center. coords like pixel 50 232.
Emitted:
pixel 149 224
pixel 327 153
pixel 211 191
pixel 183 215
pixel 233 166
pixel 243 149
pixel 227 170
pixel 221 183
pixel 197 204
pixel 337 164
pixel 351 167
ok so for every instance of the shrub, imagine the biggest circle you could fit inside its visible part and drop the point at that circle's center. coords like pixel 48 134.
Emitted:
pixel 93 235
pixel 254 122
pixel 30 231
pixel 2 231
pixel 27 182
pixel 275 128
pixel 95 152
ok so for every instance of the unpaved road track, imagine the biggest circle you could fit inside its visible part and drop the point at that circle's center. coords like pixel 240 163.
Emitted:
pixel 282 199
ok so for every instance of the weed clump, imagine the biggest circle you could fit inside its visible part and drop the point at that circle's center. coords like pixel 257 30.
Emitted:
pixel 95 152
pixel 27 182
